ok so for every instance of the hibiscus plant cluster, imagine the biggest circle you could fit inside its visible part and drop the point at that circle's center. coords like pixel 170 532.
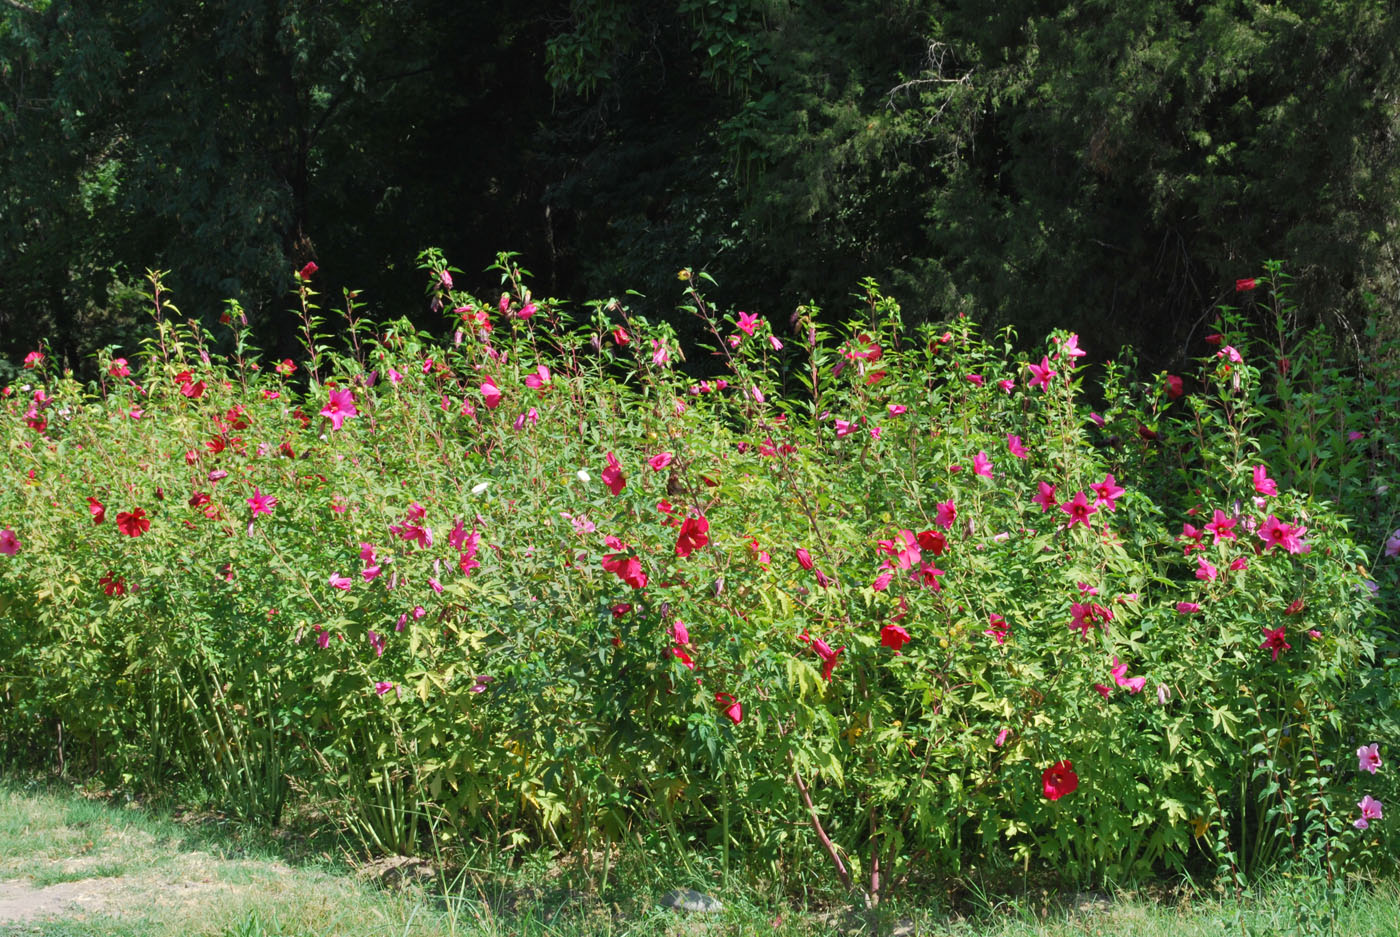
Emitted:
pixel 908 600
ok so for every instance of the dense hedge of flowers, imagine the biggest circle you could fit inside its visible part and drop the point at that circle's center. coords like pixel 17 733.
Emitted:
pixel 876 601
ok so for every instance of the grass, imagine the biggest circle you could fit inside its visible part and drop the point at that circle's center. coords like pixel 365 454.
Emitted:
pixel 95 867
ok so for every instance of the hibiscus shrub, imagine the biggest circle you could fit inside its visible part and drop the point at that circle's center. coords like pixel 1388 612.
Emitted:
pixel 878 602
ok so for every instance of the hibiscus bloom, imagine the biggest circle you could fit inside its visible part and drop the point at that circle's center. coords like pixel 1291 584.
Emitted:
pixel 338 581
pixel 1120 677
pixel 894 637
pixel 1013 446
pixel 133 523
pixel 1045 497
pixel 9 543
pixel 1175 387
pixel 981 465
pixel 627 568
pixel 659 461
pixel 998 630
pixel 97 509
pixel 1059 779
pixel 928 576
pixel 824 651
pixel 612 475
pixel 1107 493
pixel 112 585
pixel 1370 810
pixel 1274 641
pixel 1368 758
pixel 1079 509
pixel 261 503
pixel 467 560
pixel 341 406
pixel 732 708
pixel 933 541
pixel 747 322
pixel 946 514
pixel 1041 373
pixel 1263 484
pixel 1275 533
pixel 693 535
pixel 1083 615
pixel 1221 526
pixel 490 394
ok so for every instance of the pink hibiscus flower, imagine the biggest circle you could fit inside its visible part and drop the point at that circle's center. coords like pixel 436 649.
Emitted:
pixel 1079 509
pixel 1041 373
pixel 1276 533
pixel 612 475
pixel 340 407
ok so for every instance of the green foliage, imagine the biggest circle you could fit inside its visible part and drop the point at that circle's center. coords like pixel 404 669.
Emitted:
pixel 1108 167
pixel 535 587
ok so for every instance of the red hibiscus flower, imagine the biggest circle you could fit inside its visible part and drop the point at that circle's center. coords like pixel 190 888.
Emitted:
pixel 133 523
pixel 627 568
pixel 1274 641
pixel 694 534
pixel 732 707
pixel 1059 779
pixel 612 475
pixel 894 637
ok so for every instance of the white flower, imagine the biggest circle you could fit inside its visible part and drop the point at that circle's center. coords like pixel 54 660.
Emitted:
pixel 478 489
pixel 583 475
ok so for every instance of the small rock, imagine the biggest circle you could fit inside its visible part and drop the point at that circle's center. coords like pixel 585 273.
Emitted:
pixel 688 899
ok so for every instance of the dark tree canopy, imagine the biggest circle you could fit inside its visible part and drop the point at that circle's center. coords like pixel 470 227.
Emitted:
pixel 1106 166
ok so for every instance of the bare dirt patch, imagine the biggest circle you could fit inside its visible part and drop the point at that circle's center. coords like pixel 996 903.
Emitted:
pixel 22 901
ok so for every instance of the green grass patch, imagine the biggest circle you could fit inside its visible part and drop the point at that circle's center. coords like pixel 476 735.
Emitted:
pixel 95 867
